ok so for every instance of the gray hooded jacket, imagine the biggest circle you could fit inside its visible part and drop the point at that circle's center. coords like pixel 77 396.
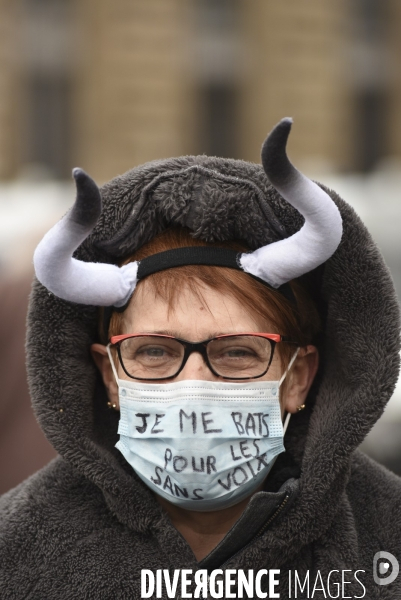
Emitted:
pixel 85 526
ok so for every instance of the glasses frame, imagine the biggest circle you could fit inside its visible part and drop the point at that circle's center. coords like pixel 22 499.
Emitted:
pixel 201 347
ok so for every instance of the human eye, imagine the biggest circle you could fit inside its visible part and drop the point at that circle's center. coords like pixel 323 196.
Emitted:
pixel 239 356
pixel 150 351
pixel 150 357
pixel 152 348
pixel 239 349
pixel 234 348
pixel 237 352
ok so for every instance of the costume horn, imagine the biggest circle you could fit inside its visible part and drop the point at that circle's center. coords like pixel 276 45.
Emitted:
pixel 99 284
pixel 318 238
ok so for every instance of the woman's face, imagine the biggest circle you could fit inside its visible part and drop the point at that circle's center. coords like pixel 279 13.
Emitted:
pixel 196 320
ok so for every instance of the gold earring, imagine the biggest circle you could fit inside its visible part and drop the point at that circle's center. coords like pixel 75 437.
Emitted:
pixel 300 407
pixel 109 405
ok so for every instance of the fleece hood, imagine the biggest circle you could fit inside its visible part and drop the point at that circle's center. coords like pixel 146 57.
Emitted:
pixel 221 199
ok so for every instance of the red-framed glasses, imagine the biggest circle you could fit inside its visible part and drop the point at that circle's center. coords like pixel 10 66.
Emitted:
pixel 155 357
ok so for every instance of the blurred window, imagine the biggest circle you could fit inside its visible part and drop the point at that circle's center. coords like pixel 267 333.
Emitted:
pixel 217 14
pixel 217 73
pixel 370 79
pixel 47 60
pixel 47 142
pixel 219 113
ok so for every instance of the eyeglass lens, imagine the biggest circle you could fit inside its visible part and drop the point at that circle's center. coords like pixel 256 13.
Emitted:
pixel 232 357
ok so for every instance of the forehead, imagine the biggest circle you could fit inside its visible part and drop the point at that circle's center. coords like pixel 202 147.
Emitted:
pixel 192 316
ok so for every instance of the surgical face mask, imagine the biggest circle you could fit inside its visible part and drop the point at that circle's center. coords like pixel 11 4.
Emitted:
pixel 202 445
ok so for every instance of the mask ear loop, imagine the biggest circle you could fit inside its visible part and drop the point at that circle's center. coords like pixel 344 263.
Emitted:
pixel 112 364
pixel 288 416
pixel 287 419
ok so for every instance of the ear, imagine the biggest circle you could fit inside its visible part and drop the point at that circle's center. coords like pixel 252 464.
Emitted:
pixel 102 361
pixel 300 378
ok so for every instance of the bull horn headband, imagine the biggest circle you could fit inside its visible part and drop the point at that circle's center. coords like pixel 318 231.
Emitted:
pixel 102 284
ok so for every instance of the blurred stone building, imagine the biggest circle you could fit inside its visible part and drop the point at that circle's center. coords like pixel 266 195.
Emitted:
pixel 109 85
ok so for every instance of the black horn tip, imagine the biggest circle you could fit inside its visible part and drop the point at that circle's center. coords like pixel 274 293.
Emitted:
pixel 82 179
pixel 274 156
pixel 77 171
pixel 88 204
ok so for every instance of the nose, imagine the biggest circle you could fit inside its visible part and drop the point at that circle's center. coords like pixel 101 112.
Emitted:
pixel 196 368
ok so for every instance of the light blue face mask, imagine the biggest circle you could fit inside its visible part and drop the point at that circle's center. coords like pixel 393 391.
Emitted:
pixel 202 445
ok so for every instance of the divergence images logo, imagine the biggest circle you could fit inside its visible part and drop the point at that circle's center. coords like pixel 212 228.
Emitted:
pixel 382 573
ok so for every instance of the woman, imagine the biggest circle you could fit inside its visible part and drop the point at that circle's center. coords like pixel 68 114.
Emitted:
pixel 204 349
pixel 193 303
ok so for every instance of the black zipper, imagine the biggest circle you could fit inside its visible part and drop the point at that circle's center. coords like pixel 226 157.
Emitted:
pixel 258 535
pixel 274 515
pixel 261 530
